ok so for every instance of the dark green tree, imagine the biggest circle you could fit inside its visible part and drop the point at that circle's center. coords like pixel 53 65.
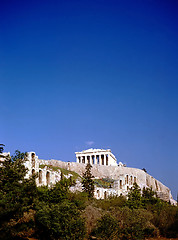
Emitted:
pixel 134 223
pixel 55 194
pixel 1 148
pixel 59 221
pixel 134 197
pixel 16 192
pixel 148 196
pixel 87 182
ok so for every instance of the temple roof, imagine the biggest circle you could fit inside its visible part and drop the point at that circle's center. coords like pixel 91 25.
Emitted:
pixel 96 150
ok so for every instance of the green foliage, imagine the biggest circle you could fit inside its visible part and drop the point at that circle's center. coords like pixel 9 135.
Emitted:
pixel 107 228
pixel 79 199
pixel 1 148
pixel 91 215
pixel 111 202
pixel 87 182
pixel 116 201
pixel 55 194
pixel 148 197
pixel 165 218
pixel 58 212
pixel 134 223
pixel 134 197
pixel 59 221
pixel 12 171
pixel 17 194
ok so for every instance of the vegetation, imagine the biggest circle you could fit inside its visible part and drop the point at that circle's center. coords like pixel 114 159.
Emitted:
pixel 1 148
pixel 134 197
pixel 55 213
pixel 107 228
pixel 17 194
pixel 87 182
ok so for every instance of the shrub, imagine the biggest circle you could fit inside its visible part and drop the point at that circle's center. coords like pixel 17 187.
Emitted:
pixel 107 228
pixel 111 202
pixel 91 215
pixel 134 223
pixel 60 221
pixel 166 219
pixel 134 197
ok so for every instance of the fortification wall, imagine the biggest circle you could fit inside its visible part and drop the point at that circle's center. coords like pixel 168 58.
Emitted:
pixel 143 179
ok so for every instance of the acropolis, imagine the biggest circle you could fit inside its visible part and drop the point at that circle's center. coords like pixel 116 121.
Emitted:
pixel 104 166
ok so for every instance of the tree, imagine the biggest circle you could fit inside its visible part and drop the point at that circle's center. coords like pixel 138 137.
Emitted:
pixel 134 197
pixel 59 221
pixel 56 193
pixel 16 193
pixel 1 148
pixel 88 183
pixel 148 196
pixel 134 224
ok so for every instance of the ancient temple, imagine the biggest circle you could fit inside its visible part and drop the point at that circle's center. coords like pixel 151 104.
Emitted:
pixel 96 156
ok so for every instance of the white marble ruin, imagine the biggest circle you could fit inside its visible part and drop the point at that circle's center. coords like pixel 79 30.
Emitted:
pixel 104 165
pixel 45 175
pixel 96 156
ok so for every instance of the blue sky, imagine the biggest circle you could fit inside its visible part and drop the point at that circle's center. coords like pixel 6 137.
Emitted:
pixel 101 74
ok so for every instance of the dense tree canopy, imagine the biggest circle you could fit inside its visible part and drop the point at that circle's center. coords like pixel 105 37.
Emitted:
pixel 17 193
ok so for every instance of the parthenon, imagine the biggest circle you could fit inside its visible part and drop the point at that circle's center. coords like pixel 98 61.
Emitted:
pixel 96 156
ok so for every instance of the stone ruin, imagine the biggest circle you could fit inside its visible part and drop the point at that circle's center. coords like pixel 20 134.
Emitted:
pixel 45 175
pixel 104 166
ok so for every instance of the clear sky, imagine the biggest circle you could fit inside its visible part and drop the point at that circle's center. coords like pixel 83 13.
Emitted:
pixel 103 74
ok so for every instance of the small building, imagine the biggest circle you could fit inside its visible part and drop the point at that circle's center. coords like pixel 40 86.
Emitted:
pixel 96 156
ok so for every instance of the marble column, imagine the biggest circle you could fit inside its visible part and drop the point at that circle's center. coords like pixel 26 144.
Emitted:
pixel 105 159
pixel 108 159
pixel 100 163
pixel 95 159
pixel 92 159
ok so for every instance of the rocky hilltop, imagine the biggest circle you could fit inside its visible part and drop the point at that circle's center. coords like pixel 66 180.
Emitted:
pixel 123 178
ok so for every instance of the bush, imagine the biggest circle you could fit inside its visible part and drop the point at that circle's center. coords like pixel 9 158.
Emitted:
pixel 166 219
pixel 56 194
pixel 134 197
pixel 107 228
pixel 80 199
pixel 134 223
pixel 91 214
pixel 111 202
pixel 59 221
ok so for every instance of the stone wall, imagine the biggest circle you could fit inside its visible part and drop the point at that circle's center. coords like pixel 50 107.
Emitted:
pixel 122 177
pixel 117 173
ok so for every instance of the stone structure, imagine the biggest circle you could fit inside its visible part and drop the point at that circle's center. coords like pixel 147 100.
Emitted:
pixel 48 172
pixel 4 155
pixel 96 156
pixel 46 176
